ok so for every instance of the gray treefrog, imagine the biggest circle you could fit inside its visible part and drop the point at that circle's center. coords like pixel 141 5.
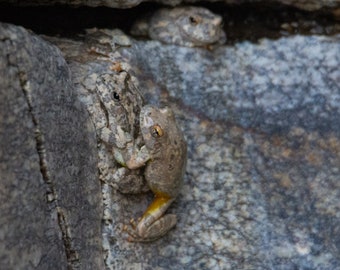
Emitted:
pixel 185 26
pixel 121 101
pixel 147 142
pixel 164 171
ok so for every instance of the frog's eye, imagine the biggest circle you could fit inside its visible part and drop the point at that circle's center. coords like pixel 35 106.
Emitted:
pixel 116 96
pixel 194 20
pixel 156 131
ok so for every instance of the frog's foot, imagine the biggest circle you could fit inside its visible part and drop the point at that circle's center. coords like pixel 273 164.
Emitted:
pixel 131 229
pixel 153 225
pixel 117 66
pixel 158 229
pixel 98 51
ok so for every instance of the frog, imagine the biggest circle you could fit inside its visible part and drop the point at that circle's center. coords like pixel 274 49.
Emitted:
pixel 188 26
pixel 121 102
pixel 108 45
pixel 116 38
pixel 164 170
pixel 146 141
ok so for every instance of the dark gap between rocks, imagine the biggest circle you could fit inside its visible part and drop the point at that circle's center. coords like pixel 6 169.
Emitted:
pixel 241 22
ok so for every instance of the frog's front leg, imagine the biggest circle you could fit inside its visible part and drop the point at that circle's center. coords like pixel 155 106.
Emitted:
pixel 123 147
pixel 130 178
pixel 153 225
pixel 133 158
pixel 117 139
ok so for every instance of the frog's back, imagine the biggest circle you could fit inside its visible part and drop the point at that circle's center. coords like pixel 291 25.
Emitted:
pixel 165 173
pixel 163 27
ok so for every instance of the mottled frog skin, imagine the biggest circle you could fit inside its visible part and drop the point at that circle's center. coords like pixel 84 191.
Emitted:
pixel 185 26
pixel 164 171
pixel 122 102
pixel 149 145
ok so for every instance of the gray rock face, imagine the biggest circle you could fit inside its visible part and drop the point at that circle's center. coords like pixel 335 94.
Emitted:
pixel 261 185
pixel 51 211
pixel 303 4
pixel 270 87
pixel 283 96
pixel 261 188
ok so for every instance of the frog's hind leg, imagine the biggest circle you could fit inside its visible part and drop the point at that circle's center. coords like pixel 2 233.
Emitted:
pixel 155 210
pixel 158 229
pixel 153 224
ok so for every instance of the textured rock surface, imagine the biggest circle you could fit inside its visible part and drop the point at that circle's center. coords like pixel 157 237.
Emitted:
pixel 50 212
pixel 303 4
pixel 261 186
pixel 270 87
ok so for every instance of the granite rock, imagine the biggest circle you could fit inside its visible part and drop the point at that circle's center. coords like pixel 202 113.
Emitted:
pixel 50 212
pixel 261 188
pixel 303 4
pixel 261 185
pixel 256 87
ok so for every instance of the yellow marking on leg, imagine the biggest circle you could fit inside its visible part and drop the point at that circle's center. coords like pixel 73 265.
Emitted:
pixel 160 200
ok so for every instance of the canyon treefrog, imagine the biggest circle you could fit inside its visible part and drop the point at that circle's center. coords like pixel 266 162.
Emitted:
pixel 142 135
pixel 164 171
pixel 186 26
pixel 121 101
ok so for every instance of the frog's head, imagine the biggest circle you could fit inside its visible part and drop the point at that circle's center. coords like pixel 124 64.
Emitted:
pixel 155 126
pixel 122 101
pixel 200 26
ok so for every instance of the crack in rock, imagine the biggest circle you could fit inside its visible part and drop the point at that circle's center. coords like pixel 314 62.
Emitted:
pixel 51 194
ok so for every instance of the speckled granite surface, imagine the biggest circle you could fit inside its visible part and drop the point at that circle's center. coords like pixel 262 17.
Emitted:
pixel 263 176
pixel 271 86
pixel 50 202
pixel 262 183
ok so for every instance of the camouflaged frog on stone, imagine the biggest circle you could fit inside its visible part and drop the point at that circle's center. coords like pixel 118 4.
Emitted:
pixel 121 101
pixel 185 26
pixel 164 171
pixel 146 137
